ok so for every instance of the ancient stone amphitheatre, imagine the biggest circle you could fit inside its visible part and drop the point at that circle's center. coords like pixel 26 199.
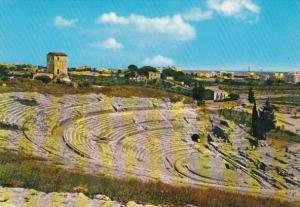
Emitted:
pixel 145 138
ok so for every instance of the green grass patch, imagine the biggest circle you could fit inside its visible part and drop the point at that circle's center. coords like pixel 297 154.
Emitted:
pixel 287 100
pixel 284 135
pixel 238 117
pixel 17 170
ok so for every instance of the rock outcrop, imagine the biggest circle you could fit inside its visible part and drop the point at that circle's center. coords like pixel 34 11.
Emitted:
pixel 15 197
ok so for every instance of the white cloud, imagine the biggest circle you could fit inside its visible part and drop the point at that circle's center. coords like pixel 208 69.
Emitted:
pixel 158 60
pixel 59 21
pixel 240 9
pixel 197 14
pixel 172 26
pixel 110 43
pixel 112 18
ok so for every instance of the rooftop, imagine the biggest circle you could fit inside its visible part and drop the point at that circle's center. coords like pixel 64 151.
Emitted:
pixel 57 53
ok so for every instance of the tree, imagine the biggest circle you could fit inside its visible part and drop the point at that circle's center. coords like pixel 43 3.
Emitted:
pixel 266 121
pixel 199 92
pixel 172 73
pixel 254 121
pixel 195 89
pixel 133 70
pixel 251 97
pixel 3 73
pixel 146 69
pixel 44 79
pixel 268 116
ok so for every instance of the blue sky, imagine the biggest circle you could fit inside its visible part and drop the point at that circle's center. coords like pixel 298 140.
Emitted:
pixel 207 34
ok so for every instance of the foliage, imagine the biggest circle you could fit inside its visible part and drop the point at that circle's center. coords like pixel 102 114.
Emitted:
pixel 199 92
pixel 284 135
pixel 151 90
pixel 172 73
pixel 251 97
pixel 44 79
pixel 133 70
pixel 287 100
pixel 254 120
pixel 233 96
pixel 7 126
pixel 145 69
pixel 17 170
pixel 3 73
pixel 238 117
pixel 177 75
pixel 111 81
pixel 266 120
pixel 243 87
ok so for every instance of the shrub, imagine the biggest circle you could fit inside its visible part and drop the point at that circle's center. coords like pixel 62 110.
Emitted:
pixel 44 79
pixel 234 96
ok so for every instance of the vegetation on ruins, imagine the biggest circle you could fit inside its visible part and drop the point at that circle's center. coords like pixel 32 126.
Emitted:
pixel 18 170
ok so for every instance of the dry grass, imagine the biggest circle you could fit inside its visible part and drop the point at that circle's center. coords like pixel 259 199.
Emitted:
pixel 17 170
pixel 26 85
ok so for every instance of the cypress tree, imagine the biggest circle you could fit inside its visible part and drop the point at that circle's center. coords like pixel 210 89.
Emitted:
pixel 251 97
pixel 201 93
pixel 255 126
pixel 195 91
pixel 254 118
pixel 268 116
pixel 266 120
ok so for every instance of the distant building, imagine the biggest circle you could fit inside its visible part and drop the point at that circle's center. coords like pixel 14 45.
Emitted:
pixel 153 75
pixel 293 77
pixel 225 75
pixel 105 72
pixel 57 63
pixel 264 76
pixel 216 94
pixel 279 76
pixel 170 78
pixel 205 74
pixel 139 78
pixel 253 76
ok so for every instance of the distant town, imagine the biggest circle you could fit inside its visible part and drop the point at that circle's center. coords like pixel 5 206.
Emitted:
pixel 170 78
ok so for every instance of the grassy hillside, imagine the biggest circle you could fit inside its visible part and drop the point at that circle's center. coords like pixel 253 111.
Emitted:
pixel 17 170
